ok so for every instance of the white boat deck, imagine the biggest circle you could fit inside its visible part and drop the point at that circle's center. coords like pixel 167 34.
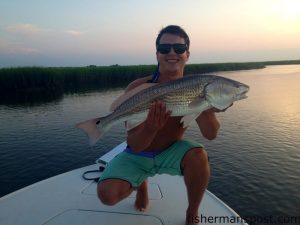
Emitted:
pixel 69 199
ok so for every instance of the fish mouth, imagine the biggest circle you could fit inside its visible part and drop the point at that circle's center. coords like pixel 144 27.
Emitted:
pixel 245 89
pixel 242 96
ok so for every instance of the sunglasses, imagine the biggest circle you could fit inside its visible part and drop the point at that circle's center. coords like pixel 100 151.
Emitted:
pixel 166 48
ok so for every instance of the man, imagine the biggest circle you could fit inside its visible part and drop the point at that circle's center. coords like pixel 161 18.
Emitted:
pixel 156 145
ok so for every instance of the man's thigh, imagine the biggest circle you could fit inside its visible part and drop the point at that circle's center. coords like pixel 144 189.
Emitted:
pixel 127 168
pixel 169 161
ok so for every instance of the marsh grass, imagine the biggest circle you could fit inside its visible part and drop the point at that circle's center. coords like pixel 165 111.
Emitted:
pixel 24 84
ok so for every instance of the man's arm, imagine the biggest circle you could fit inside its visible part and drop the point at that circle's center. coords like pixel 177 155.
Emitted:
pixel 209 124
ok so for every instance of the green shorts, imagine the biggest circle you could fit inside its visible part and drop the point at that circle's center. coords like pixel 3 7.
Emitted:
pixel 136 167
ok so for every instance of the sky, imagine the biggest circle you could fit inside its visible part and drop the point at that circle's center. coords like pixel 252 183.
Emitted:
pixel 108 32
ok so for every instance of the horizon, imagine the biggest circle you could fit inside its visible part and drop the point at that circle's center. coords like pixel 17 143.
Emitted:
pixel 267 63
pixel 104 33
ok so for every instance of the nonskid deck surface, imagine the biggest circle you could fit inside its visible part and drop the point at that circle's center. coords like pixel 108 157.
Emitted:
pixel 69 199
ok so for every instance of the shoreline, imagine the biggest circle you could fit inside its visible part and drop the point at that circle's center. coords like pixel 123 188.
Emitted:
pixel 40 84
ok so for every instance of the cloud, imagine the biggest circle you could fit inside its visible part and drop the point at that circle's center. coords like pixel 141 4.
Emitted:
pixel 27 50
pixel 31 29
pixel 10 47
pixel 25 28
pixel 75 33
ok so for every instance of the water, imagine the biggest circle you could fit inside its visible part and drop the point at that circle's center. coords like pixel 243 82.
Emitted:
pixel 255 160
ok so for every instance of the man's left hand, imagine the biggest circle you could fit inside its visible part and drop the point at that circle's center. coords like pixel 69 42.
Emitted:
pixel 218 110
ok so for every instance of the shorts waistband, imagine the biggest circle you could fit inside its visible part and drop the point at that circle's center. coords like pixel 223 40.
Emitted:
pixel 148 154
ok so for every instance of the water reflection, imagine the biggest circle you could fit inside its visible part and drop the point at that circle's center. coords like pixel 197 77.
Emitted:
pixel 30 98
pixel 38 97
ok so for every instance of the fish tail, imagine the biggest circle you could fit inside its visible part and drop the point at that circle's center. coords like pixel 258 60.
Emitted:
pixel 93 131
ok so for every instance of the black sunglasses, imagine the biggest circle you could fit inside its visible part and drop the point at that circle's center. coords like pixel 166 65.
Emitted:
pixel 166 48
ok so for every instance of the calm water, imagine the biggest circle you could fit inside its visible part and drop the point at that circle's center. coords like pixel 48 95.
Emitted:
pixel 255 160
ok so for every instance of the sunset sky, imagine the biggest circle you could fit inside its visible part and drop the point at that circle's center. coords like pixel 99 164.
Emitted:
pixel 106 32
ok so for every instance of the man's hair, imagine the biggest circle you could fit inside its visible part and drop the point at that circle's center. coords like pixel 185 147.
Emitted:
pixel 176 30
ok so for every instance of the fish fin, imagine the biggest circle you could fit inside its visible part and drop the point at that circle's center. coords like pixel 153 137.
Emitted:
pixel 90 128
pixel 129 94
pixel 199 105
pixel 132 124
pixel 186 120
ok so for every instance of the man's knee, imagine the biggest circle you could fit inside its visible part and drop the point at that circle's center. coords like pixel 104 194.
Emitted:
pixel 195 156
pixel 105 196
pixel 111 191
pixel 107 193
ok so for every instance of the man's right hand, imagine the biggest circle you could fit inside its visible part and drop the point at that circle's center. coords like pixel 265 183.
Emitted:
pixel 158 116
pixel 140 137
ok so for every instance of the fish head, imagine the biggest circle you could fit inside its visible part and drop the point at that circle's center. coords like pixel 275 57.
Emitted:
pixel 222 92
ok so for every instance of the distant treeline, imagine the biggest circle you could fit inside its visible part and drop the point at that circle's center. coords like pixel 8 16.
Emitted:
pixel 24 83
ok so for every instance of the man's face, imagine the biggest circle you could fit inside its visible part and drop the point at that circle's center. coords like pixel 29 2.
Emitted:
pixel 172 62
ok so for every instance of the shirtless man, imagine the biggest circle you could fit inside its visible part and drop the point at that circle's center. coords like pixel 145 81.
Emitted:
pixel 160 137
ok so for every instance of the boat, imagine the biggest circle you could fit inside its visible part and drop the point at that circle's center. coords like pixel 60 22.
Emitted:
pixel 71 198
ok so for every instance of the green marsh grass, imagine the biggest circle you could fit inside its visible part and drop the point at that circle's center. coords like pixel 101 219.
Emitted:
pixel 27 83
